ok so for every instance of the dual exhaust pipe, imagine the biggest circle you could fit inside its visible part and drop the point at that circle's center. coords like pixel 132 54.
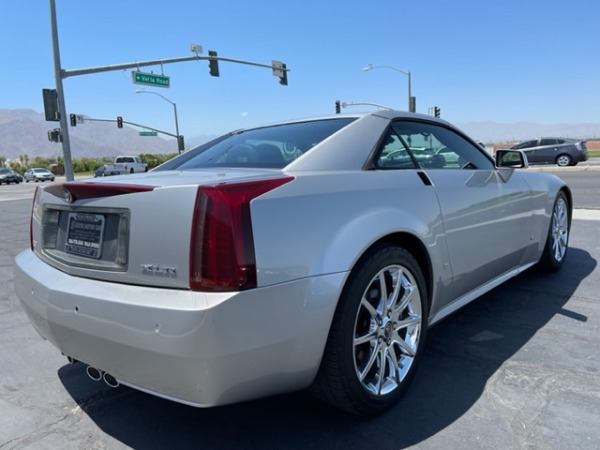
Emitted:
pixel 97 375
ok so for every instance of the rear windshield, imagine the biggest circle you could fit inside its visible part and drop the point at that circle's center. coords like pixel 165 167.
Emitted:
pixel 268 147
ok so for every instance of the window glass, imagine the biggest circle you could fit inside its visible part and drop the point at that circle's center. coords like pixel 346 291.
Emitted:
pixel 268 147
pixel 432 146
pixel 548 141
pixel 394 154
pixel 526 144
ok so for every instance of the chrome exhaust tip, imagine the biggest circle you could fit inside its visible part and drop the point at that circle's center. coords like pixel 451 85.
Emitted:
pixel 110 380
pixel 93 373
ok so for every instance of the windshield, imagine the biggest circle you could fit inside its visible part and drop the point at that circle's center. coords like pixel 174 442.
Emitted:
pixel 268 147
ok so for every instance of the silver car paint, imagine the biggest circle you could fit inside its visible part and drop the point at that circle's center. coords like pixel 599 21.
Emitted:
pixel 178 344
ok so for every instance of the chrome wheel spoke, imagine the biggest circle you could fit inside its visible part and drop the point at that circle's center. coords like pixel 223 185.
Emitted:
pixel 387 330
pixel 560 230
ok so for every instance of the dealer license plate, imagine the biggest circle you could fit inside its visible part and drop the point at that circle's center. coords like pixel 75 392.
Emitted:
pixel 85 234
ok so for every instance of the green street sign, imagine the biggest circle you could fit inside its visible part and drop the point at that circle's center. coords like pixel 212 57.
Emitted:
pixel 150 79
pixel 148 133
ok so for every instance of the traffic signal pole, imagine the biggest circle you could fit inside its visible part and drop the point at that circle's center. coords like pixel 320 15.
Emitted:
pixel 66 143
pixel 279 69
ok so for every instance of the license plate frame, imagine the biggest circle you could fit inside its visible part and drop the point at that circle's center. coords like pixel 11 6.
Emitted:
pixel 85 234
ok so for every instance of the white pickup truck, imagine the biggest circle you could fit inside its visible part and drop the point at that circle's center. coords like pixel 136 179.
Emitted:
pixel 125 164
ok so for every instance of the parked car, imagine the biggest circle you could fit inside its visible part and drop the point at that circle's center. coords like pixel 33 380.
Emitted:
pixel 18 175
pixel 100 171
pixel 8 176
pixel 310 254
pixel 560 151
pixel 38 174
pixel 124 165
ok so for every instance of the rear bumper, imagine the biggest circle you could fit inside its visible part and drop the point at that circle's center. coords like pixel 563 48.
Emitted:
pixel 203 349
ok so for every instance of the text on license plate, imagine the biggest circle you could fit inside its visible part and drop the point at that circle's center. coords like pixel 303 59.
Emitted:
pixel 85 233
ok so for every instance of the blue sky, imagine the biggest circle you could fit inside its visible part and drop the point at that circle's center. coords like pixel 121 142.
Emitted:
pixel 503 61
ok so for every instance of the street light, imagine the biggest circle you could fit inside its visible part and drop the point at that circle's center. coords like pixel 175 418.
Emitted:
pixel 411 102
pixel 143 91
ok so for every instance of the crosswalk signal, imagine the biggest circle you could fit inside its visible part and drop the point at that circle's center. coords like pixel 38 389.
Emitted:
pixel 436 111
pixel 51 111
pixel 213 64
pixel 119 122
pixel 54 135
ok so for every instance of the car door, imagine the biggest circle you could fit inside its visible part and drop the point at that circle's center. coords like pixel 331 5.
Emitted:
pixel 547 151
pixel 530 150
pixel 486 213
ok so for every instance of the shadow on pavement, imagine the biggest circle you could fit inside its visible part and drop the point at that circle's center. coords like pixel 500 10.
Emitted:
pixel 462 353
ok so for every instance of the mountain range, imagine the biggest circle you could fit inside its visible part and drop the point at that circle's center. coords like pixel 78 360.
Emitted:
pixel 25 132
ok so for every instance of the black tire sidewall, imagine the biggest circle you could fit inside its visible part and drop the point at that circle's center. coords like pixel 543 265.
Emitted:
pixel 380 257
pixel 548 261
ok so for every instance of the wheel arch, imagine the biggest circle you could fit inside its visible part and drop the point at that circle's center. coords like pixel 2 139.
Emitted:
pixel 413 245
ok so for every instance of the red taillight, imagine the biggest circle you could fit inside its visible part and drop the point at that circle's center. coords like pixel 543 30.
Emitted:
pixel 222 246
pixel 34 211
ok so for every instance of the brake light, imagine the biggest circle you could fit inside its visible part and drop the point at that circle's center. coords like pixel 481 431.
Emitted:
pixel 222 245
pixel 34 214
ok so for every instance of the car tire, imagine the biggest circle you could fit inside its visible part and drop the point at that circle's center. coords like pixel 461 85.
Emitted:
pixel 564 160
pixel 377 334
pixel 557 241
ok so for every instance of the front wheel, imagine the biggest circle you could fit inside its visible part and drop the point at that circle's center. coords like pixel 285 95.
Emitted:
pixel 377 335
pixel 557 241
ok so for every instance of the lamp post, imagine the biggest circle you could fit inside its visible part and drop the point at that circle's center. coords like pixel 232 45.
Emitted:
pixel 143 91
pixel 411 102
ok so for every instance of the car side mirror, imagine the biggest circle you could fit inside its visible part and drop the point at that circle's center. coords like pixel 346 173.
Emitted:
pixel 515 159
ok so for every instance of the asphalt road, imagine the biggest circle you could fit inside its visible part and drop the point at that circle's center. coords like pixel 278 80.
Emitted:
pixel 517 369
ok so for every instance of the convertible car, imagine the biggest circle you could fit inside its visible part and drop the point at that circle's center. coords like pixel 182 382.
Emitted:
pixel 308 254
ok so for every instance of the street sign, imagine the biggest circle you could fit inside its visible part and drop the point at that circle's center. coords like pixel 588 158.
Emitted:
pixel 148 133
pixel 150 79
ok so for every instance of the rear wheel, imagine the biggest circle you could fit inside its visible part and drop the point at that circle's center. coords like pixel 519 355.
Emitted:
pixel 563 160
pixel 555 250
pixel 377 335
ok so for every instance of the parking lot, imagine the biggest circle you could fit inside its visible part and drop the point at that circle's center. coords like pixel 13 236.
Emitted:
pixel 518 368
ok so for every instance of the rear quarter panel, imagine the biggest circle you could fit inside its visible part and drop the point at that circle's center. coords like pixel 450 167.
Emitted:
pixel 323 223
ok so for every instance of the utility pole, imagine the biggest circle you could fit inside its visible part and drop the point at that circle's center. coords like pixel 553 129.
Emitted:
pixel 279 69
pixel 66 143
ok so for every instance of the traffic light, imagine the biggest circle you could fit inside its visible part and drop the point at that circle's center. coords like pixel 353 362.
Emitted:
pixel 338 107
pixel 436 111
pixel 119 122
pixel 213 64
pixel 180 143
pixel 283 76
pixel 73 118
pixel 280 71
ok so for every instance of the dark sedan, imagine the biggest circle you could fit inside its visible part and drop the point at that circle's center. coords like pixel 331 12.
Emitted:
pixel 559 151
pixel 8 176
